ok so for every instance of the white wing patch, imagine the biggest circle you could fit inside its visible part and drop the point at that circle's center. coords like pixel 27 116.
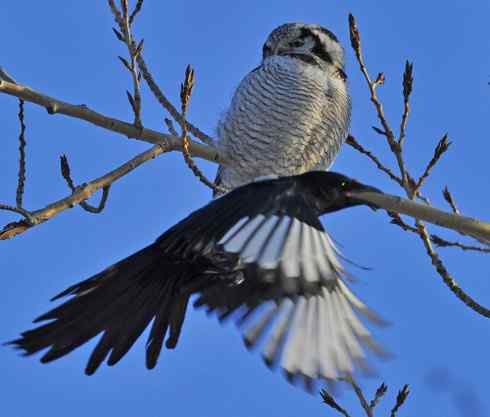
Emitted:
pixel 233 230
pixel 299 252
pixel 313 337
pixel 236 242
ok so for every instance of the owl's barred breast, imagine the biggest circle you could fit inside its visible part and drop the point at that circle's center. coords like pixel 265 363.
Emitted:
pixel 285 118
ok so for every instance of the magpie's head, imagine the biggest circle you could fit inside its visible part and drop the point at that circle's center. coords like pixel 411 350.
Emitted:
pixel 334 191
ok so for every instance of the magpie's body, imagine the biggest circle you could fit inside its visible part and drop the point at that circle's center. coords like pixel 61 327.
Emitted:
pixel 260 250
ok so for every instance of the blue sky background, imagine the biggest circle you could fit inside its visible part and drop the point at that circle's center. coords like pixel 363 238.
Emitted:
pixel 67 49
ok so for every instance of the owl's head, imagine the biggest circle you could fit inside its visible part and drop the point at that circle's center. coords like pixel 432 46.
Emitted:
pixel 312 44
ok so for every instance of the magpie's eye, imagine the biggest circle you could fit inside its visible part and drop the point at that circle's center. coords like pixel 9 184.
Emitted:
pixel 296 44
pixel 343 184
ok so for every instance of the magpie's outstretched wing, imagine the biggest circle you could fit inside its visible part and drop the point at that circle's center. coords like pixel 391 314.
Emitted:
pixel 287 262
pixel 259 244
pixel 272 226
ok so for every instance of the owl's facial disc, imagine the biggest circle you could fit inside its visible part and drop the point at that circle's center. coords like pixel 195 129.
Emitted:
pixel 310 43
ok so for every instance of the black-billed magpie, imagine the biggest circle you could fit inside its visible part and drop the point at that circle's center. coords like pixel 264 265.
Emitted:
pixel 258 253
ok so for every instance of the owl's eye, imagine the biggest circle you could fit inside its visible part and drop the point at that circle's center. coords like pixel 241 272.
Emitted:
pixel 341 74
pixel 296 44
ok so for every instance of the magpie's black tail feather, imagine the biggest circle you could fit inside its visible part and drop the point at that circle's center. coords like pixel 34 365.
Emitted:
pixel 119 302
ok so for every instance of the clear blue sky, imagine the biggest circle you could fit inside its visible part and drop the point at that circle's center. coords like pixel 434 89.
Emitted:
pixel 67 49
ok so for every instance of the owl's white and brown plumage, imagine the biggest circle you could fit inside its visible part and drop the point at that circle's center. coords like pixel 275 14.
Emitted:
pixel 290 114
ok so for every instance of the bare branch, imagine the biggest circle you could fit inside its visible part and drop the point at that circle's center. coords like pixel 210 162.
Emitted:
pixel 360 396
pixel 170 127
pixel 446 277
pixel 357 146
pixel 449 198
pixel 400 399
pixel 185 95
pixel 330 401
pixel 127 37
pixel 168 106
pixel 407 91
pixel 395 146
pixel 462 224
pixel 136 10
pixel 437 240
pixel 66 173
pixel 4 75
pixel 440 150
pixel 19 210
pixel 377 396
pixel 81 193
pixel 21 178
pixel 82 112
pixel 443 243
pixel 155 89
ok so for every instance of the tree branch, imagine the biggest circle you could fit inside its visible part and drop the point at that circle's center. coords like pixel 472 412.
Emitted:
pixel 358 147
pixel 80 194
pixel 82 112
pixel 66 173
pixel 462 224
pixel 155 89
pixel 22 156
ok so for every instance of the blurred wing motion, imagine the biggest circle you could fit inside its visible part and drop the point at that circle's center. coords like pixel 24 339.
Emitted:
pixel 258 252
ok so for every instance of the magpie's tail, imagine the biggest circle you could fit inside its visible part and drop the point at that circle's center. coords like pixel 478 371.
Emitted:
pixel 119 302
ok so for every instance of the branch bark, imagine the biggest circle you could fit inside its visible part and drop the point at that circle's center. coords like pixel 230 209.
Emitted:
pixel 80 194
pixel 462 224
pixel 83 112
pixel 169 143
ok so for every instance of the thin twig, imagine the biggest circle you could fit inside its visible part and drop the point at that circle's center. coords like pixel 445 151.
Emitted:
pixel 437 240
pixel 452 203
pixel 127 36
pixel 446 277
pixel 5 76
pixel 357 146
pixel 360 396
pixel 185 95
pixel 372 85
pixel 21 178
pixel 136 10
pixel 19 210
pixel 66 173
pixel 155 89
pixel 377 396
pixel 400 400
pixel 407 91
pixel 169 106
pixel 170 127
pixel 450 200
pixel 443 243
pixel 81 194
pixel 330 401
pixel 440 150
